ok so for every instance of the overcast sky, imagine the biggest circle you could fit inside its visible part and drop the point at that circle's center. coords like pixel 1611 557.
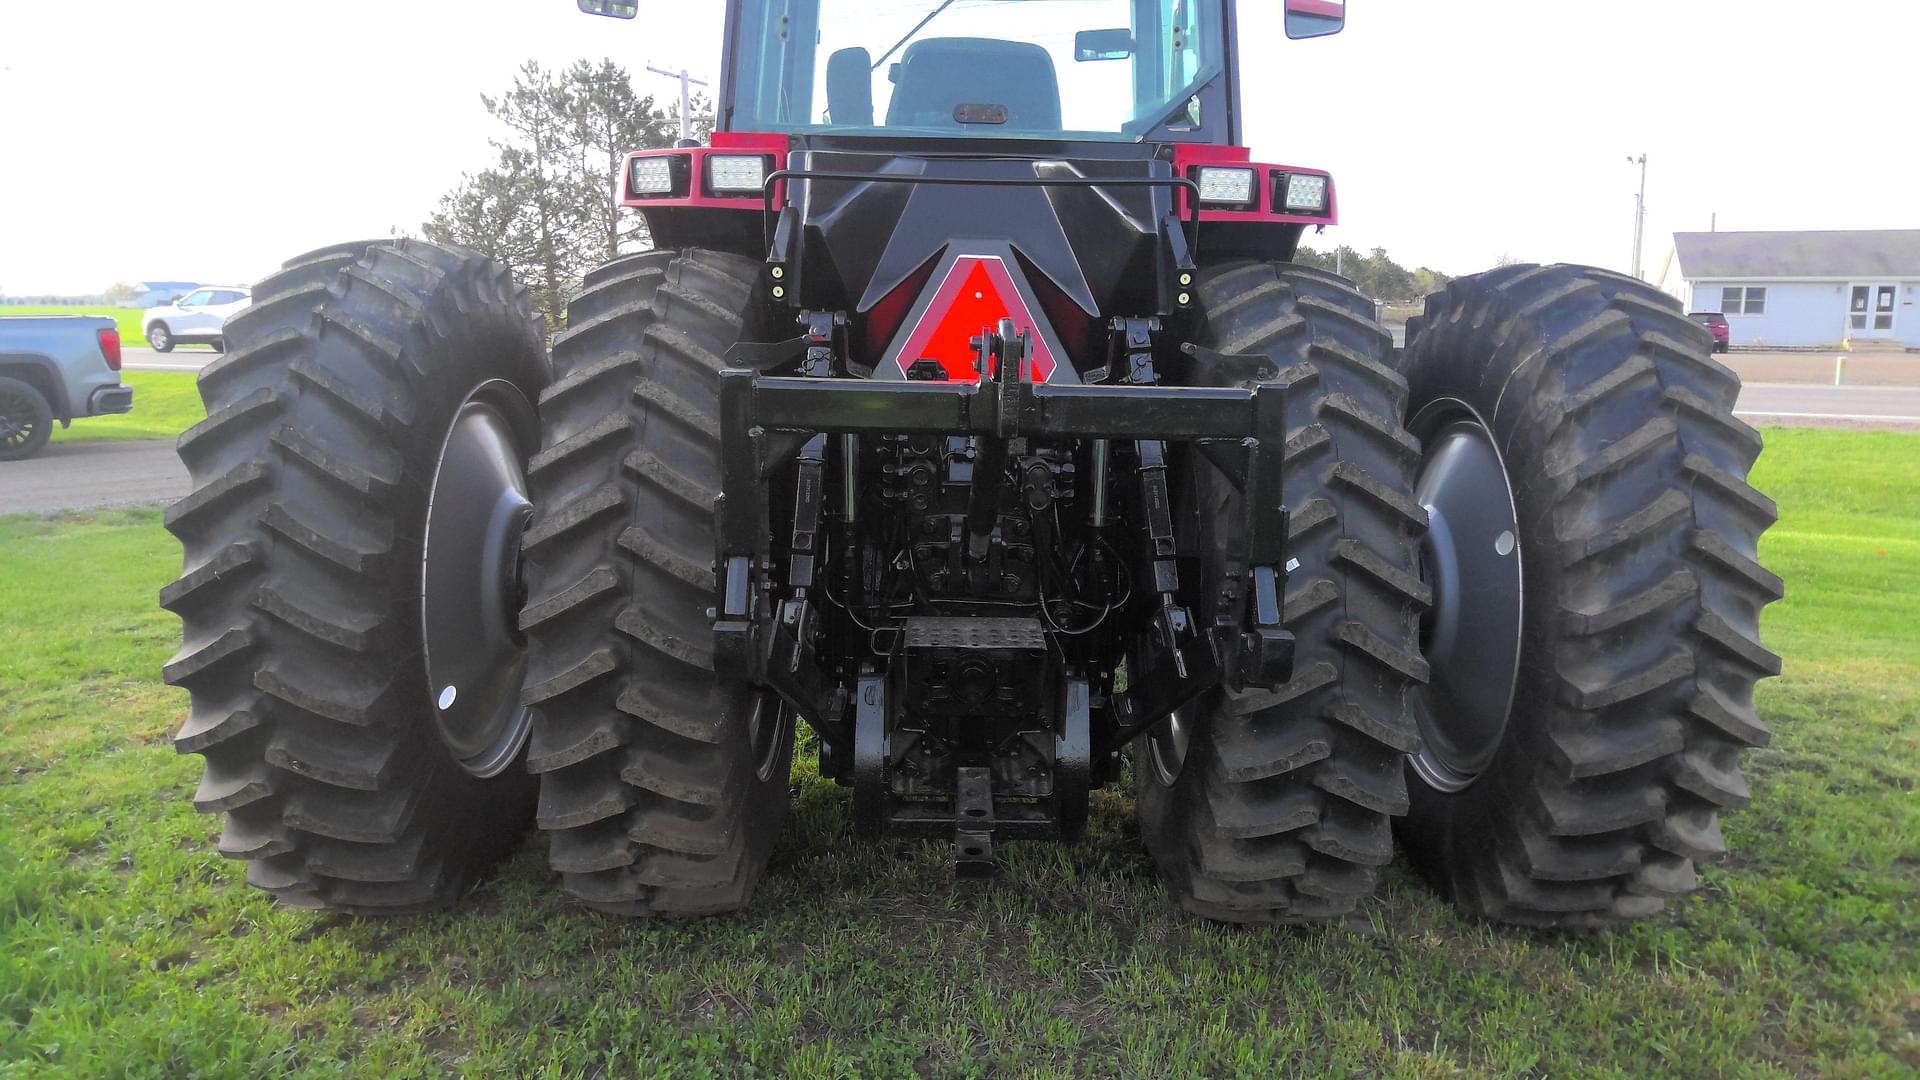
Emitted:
pixel 210 141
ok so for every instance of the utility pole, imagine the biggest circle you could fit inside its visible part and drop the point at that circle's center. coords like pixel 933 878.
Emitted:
pixel 687 83
pixel 1639 211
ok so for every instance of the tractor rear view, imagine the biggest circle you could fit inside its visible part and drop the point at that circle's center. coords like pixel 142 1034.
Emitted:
pixel 971 414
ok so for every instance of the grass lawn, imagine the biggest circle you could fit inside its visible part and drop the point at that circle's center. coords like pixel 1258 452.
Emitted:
pixel 128 947
pixel 165 403
pixel 133 330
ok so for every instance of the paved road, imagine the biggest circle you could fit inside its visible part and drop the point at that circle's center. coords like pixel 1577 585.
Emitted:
pixel 182 358
pixel 91 475
pixel 1867 406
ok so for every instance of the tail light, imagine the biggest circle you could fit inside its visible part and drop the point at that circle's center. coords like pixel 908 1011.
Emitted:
pixel 110 346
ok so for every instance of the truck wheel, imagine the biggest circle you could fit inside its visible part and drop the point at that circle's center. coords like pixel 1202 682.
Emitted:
pixel 160 338
pixel 349 593
pixel 662 785
pixel 26 420
pixel 1274 806
pixel 1595 629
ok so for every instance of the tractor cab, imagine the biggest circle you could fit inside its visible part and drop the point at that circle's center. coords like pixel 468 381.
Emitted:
pixel 1113 70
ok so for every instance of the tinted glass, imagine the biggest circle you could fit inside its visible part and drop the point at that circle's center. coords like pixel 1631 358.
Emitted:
pixel 973 68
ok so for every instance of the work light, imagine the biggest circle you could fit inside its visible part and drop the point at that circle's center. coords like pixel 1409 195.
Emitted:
pixel 735 172
pixel 1306 193
pixel 1230 187
pixel 653 176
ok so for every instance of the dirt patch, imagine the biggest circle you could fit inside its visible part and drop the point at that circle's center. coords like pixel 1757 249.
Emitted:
pixel 1863 368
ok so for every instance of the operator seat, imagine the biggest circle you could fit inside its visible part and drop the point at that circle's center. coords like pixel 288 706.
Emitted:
pixel 937 74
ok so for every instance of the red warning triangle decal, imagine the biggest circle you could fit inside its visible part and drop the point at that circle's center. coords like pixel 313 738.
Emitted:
pixel 975 295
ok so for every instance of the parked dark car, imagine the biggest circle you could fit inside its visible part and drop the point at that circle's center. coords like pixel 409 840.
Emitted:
pixel 1716 324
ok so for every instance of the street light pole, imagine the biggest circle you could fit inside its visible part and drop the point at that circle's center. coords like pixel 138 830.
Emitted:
pixel 687 82
pixel 1639 211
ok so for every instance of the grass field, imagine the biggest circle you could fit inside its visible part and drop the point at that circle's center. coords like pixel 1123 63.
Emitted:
pixel 128 947
pixel 165 403
pixel 133 330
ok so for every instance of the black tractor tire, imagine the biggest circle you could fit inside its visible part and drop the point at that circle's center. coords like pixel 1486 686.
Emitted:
pixel 663 785
pixel 160 338
pixel 1279 810
pixel 1639 637
pixel 302 584
pixel 26 420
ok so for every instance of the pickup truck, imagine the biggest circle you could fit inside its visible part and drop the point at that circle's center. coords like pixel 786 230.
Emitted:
pixel 56 367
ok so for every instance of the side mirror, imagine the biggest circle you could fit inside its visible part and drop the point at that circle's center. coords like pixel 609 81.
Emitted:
pixel 850 87
pixel 617 9
pixel 1305 18
pixel 1103 45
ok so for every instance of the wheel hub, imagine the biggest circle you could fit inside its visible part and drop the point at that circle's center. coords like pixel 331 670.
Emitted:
pixel 1472 561
pixel 1168 741
pixel 16 422
pixel 471 594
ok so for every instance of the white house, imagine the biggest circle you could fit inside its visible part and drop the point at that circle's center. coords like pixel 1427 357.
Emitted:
pixel 1802 288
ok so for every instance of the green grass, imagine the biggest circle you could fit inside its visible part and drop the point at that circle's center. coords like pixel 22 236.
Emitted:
pixel 165 403
pixel 133 329
pixel 128 947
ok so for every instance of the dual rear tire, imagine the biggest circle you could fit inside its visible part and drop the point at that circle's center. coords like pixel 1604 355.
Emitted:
pixel 1541 603
pixel 383 700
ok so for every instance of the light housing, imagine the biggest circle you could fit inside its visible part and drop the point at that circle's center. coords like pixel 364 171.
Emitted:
pixel 1301 193
pixel 652 176
pixel 736 173
pixel 1225 186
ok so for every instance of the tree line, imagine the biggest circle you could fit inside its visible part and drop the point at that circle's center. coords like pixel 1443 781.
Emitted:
pixel 1375 274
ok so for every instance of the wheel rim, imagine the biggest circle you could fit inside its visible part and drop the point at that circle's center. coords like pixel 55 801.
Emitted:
pixel 18 424
pixel 471 592
pixel 1167 744
pixel 158 337
pixel 1471 559
pixel 765 728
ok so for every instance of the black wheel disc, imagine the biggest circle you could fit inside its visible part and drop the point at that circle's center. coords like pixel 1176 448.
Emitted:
pixel 471 595
pixel 1167 743
pixel 1472 560
pixel 771 722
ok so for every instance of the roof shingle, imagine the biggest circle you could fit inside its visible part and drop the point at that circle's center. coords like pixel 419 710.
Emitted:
pixel 1856 253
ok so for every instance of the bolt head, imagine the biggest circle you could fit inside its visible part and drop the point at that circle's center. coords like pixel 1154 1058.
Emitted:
pixel 779 292
pixel 1185 299
pixel 778 272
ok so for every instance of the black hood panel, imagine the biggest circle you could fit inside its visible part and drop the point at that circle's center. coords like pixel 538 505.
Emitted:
pixel 1089 251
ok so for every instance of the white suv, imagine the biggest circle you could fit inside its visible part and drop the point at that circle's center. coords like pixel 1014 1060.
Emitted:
pixel 198 318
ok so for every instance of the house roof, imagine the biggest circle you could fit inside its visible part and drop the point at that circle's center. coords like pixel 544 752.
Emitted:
pixel 1859 253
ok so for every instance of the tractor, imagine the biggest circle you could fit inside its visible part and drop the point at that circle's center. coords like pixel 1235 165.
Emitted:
pixel 971 424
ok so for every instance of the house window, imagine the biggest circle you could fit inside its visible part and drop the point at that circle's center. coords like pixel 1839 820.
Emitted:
pixel 1751 300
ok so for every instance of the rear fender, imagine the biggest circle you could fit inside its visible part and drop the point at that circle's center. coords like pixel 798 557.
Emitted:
pixel 40 372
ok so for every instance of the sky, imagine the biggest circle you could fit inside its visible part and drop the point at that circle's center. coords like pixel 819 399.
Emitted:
pixel 214 140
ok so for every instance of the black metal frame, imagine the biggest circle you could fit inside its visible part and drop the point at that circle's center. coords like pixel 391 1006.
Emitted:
pixel 773 423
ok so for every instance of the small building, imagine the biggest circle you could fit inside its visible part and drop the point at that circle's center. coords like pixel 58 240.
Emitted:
pixel 1790 289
